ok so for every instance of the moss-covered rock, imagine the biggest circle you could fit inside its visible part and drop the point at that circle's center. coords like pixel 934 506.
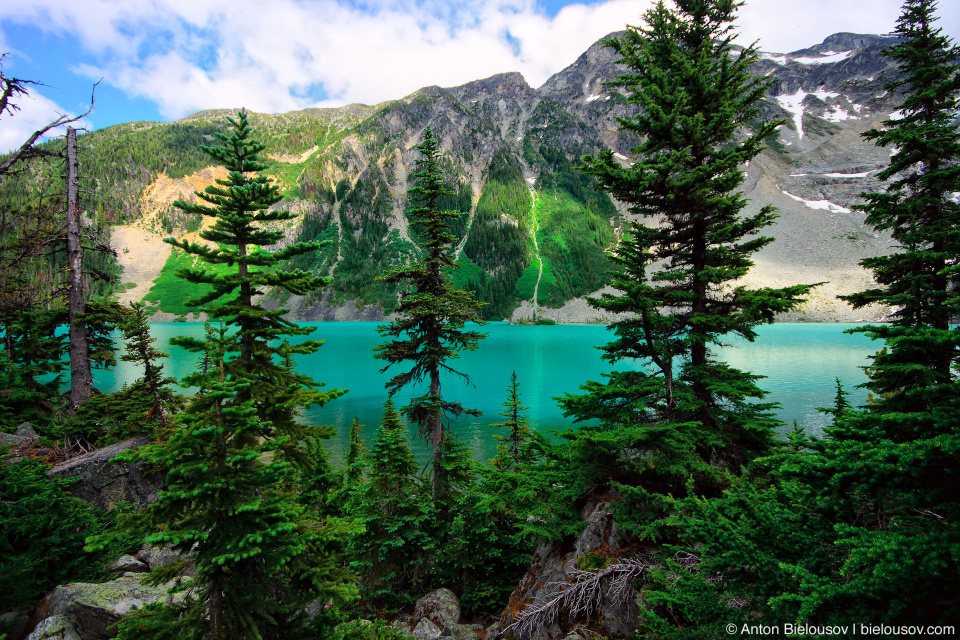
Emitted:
pixel 94 608
pixel 440 607
pixel 59 627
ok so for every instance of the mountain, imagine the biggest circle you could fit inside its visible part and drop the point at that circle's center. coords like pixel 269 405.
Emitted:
pixel 534 232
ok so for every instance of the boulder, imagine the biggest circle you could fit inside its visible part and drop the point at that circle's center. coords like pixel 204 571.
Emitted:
pixel 55 627
pixel 426 630
pixel 104 483
pixel 155 557
pixel 128 564
pixel 94 608
pixel 440 607
pixel 25 430
pixel 11 440
pixel 464 631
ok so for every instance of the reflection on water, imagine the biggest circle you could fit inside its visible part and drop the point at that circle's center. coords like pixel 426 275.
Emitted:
pixel 800 362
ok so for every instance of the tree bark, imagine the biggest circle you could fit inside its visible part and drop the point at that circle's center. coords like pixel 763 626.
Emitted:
pixel 436 435
pixel 81 379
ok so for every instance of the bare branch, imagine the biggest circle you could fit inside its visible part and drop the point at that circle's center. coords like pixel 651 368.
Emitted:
pixel 583 595
pixel 12 87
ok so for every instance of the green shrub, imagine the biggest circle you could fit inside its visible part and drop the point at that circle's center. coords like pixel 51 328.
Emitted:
pixel 42 531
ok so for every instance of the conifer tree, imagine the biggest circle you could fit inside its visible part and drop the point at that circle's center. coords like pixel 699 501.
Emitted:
pixel 227 501
pixel 354 459
pixel 888 472
pixel 428 331
pixel 139 343
pixel 863 524
pixel 913 371
pixel 919 209
pixel 696 108
pixel 31 368
pixel 244 225
pixel 841 404
pixel 229 491
pixel 392 553
pixel 511 451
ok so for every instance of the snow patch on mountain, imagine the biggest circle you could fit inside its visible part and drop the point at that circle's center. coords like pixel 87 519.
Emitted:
pixel 847 175
pixel 826 58
pixel 833 175
pixel 836 113
pixel 794 104
pixel 772 56
pixel 829 56
pixel 818 204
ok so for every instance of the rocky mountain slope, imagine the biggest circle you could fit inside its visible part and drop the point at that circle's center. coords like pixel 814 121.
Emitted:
pixel 534 234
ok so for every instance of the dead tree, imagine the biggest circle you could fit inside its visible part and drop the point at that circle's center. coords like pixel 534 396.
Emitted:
pixel 81 379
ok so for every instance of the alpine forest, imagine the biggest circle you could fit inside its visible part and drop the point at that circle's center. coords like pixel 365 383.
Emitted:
pixel 667 347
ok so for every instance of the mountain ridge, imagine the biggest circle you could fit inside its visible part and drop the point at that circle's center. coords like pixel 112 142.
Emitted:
pixel 510 152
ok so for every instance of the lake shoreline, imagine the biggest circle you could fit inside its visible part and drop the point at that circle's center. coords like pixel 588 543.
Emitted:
pixel 800 362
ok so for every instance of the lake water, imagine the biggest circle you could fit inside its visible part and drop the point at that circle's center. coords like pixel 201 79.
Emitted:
pixel 800 362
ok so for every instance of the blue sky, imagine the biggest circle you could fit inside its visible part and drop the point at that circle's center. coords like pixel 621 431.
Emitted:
pixel 160 60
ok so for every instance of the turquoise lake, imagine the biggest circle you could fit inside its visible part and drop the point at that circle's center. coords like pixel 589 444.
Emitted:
pixel 800 362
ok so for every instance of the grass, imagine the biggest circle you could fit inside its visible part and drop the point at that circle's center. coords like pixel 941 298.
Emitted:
pixel 169 292
pixel 287 176
pixel 572 239
pixel 527 282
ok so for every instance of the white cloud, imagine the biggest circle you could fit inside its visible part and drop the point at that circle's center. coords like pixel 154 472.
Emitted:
pixel 186 55
pixel 36 111
pixel 783 27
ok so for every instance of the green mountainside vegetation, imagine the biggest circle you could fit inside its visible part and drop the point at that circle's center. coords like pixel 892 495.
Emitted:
pixel 673 511
pixel 346 169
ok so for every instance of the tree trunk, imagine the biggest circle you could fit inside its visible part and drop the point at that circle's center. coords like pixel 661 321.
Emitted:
pixel 216 612
pixel 151 378
pixel 81 380
pixel 436 434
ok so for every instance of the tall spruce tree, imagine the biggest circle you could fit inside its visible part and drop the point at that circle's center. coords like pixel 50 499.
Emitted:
pixel 227 500
pixel 919 210
pixel 354 471
pixel 229 491
pixel 696 108
pixel 862 524
pixel 429 330
pixel 139 343
pixel 244 225
pixel 889 472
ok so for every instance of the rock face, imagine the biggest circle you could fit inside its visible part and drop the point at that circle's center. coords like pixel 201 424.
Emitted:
pixel 557 565
pixel 25 430
pixel 24 435
pixel 128 564
pixel 104 483
pixel 355 182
